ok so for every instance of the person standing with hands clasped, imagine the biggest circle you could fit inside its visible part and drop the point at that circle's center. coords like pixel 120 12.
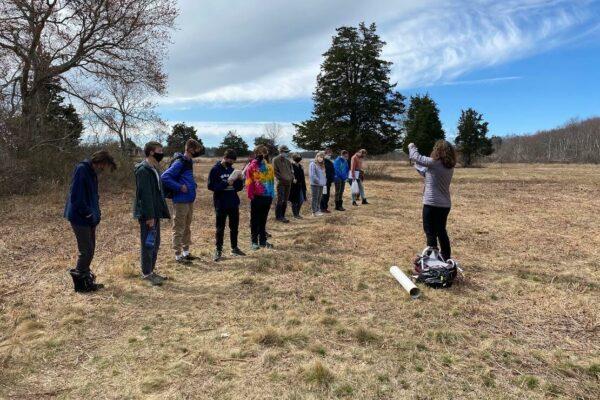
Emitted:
pixel 180 185
pixel 284 174
pixel 225 182
pixel 82 209
pixel 318 179
pixel 438 171
pixel 149 208
pixel 261 190
pixel 341 168
pixel 298 192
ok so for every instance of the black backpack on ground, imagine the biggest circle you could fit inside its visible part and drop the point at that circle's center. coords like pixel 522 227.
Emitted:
pixel 432 270
pixel 187 165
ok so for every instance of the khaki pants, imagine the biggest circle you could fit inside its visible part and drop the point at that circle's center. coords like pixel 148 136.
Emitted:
pixel 182 219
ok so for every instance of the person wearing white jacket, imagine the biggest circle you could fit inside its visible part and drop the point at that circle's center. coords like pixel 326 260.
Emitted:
pixel 318 179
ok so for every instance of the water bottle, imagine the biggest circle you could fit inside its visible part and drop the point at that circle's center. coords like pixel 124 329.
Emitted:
pixel 150 239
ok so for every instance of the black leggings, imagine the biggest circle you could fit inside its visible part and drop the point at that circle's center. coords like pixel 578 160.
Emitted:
pixel 434 225
pixel 259 211
pixel 234 221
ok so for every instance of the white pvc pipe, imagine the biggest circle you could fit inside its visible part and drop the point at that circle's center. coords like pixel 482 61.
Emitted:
pixel 406 282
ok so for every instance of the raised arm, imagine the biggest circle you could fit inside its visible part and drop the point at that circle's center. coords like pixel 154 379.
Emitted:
pixel 414 155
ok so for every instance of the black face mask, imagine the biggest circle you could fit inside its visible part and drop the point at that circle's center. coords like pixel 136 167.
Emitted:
pixel 259 157
pixel 158 156
pixel 196 154
pixel 228 164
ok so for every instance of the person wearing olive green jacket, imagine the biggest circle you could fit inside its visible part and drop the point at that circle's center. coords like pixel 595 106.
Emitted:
pixel 149 208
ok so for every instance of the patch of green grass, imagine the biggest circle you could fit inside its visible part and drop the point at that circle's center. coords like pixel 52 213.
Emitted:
pixel 318 349
pixel 318 374
pixel 344 390
pixel 529 381
pixel 447 360
pixel 328 321
pixel 444 337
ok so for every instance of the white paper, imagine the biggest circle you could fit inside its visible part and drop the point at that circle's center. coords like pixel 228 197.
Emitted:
pixel 324 189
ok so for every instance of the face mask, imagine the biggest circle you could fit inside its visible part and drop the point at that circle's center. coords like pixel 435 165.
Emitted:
pixel 284 155
pixel 259 157
pixel 195 154
pixel 158 156
pixel 228 164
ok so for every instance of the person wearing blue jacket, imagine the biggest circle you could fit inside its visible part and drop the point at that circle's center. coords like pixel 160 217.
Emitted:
pixel 318 179
pixel 342 168
pixel 82 209
pixel 224 182
pixel 181 186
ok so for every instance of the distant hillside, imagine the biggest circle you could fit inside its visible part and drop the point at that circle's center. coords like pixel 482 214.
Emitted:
pixel 575 142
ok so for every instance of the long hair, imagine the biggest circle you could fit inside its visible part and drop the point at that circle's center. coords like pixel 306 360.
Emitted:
pixel 444 151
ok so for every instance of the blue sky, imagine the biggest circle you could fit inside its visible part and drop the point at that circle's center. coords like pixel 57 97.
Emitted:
pixel 526 65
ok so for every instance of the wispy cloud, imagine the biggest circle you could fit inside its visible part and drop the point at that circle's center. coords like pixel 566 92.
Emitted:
pixel 483 81
pixel 261 50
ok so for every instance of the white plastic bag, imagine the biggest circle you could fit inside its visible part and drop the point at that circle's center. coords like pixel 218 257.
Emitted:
pixel 324 189
pixel 354 188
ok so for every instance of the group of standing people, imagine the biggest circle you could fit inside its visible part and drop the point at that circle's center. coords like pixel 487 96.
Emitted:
pixel 281 179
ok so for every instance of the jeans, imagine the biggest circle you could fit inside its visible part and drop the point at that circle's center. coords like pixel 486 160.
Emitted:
pixel 283 195
pixel 317 192
pixel 259 212
pixel 86 245
pixel 234 222
pixel 182 220
pixel 148 256
pixel 361 189
pixel 434 225
pixel 325 197
pixel 339 191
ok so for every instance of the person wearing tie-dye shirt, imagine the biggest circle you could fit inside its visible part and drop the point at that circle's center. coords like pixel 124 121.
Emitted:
pixel 260 186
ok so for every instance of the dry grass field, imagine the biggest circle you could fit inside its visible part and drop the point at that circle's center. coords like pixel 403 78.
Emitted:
pixel 319 317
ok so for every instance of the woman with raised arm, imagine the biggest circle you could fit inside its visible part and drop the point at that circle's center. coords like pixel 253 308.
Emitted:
pixel 437 170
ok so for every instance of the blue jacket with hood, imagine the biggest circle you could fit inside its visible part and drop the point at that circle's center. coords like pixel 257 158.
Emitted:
pixel 83 206
pixel 341 169
pixel 224 196
pixel 181 172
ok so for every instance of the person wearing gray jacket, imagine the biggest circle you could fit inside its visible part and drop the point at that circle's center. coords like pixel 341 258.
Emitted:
pixel 318 179
pixel 437 170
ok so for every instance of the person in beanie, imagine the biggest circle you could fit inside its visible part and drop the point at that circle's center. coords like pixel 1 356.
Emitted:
pixel 357 174
pixel 341 168
pixel 260 187
pixel 82 210
pixel 318 179
pixel 298 192
pixel 284 173
pixel 438 170
pixel 330 175
pixel 180 185
pixel 149 208
pixel 224 182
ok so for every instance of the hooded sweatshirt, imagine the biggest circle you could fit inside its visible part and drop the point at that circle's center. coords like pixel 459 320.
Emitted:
pixel 316 174
pixel 83 207
pixel 149 195
pixel 181 172
pixel 260 179
pixel 224 196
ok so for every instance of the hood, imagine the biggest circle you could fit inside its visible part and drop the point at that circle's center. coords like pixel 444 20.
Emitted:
pixel 177 155
pixel 142 164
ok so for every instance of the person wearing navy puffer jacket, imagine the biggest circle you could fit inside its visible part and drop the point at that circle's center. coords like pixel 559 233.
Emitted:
pixel 82 209
pixel 179 181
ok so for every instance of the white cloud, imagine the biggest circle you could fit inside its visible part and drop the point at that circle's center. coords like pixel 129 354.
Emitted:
pixel 254 50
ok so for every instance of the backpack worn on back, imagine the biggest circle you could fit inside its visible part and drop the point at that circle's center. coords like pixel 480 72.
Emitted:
pixel 432 270
pixel 187 165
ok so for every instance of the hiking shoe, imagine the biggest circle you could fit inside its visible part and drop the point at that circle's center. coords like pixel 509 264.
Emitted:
pixel 354 203
pixel 84 283
pixel 237 252
pixel 365 201
pixel 218 255
pixel 267 245
pixel 154 279
pixel 255 246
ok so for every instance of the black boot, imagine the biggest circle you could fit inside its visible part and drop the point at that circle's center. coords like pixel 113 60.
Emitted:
pixel 341 206
pixel 84 282
pixel 365 201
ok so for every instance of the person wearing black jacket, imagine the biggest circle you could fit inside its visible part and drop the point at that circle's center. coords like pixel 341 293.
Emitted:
pixel 298 191
pixel 330 175
pixel 224 182
pixel 82 209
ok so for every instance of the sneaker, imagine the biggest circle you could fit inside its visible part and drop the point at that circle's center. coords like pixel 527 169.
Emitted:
pixel 218 255
pixel 237 252
pixel 365 201
pixel 255 246
pixel 190 257
pixel 284 220
pixel 155 280
pixel 182 260
pixel 298 216
pixel 267 245
pixel 325 211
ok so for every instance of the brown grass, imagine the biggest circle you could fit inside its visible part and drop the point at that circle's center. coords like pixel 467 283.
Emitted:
pixel 319 317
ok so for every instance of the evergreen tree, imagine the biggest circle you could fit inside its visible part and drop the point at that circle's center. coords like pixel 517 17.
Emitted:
pixel 233 141
pixel 355 105
pixel 423 125
pixel 179 135
pixel 471 140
